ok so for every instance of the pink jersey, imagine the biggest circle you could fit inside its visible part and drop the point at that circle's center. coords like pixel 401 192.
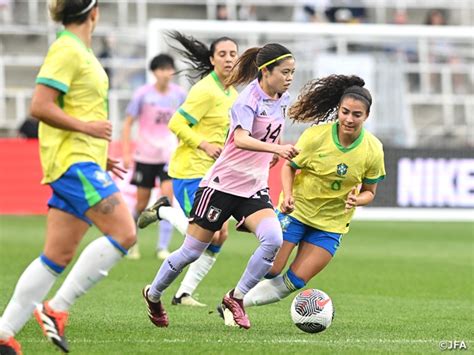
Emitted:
pixel 242 172
pixel 155 142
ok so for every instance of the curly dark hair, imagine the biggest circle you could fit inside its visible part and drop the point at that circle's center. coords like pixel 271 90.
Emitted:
pixel 196 53
pixel 319 99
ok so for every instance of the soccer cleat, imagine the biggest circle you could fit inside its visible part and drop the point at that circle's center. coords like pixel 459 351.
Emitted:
pixel 53 323
pixel 236 308
pixel 10 347
pixel 226 315
pixel 156 312
pixel 186 300
pixel 162 254
pixel 134 253
pixel 150 215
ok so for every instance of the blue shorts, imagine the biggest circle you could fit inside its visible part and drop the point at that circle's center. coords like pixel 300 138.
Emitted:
pixel 295 232
pixel 82 186
pixel 184 191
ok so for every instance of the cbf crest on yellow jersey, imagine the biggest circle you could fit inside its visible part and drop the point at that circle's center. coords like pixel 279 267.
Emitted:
pixel 72 69
pixel 206 111
pixel 328 173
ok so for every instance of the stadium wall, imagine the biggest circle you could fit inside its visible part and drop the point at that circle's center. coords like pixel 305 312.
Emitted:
pixel 421 184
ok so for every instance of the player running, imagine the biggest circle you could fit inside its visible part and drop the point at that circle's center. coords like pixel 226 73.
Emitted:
pixel 237 184
pixel 201 124
pixel 70 100
pixel 339 167
pixel 152 106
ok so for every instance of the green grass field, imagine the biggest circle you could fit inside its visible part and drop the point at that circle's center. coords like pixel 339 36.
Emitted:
pixel 397 287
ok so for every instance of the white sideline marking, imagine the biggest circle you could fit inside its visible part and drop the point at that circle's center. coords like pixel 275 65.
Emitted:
pixel 250 341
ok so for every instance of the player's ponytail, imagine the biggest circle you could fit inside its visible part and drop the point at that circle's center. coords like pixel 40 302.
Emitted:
pixel 319 99
pixel 251 63
pixel 196 53
pixel 71 11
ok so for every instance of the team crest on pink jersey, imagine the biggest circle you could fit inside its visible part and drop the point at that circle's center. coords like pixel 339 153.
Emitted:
pixel 213 214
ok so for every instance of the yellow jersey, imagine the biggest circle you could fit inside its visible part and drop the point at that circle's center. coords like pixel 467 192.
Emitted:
pixel 72 69
pixel 328 173
pixel 203 116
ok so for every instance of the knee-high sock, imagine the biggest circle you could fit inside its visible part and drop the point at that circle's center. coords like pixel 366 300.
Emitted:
pixel 190 250
pixel 270 236
pixel 273 290
pixel 166 232
pixel 175 217
pixel 196 272
pixel 267 291
pixel 31 289
pixel 92 266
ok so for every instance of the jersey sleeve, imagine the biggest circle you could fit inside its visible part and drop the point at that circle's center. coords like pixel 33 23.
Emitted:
pixel 376 170
pixel 135 104
pixel 197 104
pixel 59 68
pixel 243 116
pixel 303 144
pixel 181 127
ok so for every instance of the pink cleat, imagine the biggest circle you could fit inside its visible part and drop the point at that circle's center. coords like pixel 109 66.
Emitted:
pixel 156 312
pixel 236 307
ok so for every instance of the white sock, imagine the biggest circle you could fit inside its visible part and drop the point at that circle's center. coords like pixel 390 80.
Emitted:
pixel 267 291
pixel 92 266
pixel 175 217
pixel 196 272
pixel 31 289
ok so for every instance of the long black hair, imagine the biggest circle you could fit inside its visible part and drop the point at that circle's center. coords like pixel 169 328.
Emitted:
pixel 248 65
pixel 319 99
pixel 197 54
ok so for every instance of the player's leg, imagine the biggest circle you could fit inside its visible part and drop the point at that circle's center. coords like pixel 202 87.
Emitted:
pixel 198 237
pixel 256 216
pixel 274 288
pixel 183 190
pixel 199 269
pixel 64 232
pixel 315 251
pixel 165 227
pixel 144 179
pixel 86 185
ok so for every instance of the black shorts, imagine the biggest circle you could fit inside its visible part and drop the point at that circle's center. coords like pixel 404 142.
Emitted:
pixel 146 174
pixel 212 208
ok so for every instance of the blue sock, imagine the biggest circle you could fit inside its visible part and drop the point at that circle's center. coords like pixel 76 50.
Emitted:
pixel 214 248
pixel 292 281
pixel 51 264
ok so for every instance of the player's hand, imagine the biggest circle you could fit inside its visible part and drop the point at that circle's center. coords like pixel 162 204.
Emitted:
pixel 287 151
pixel 287 205
pixel 351 200
pixel 99 129
pixel 274 161
pixel 114 168
pixel 213 150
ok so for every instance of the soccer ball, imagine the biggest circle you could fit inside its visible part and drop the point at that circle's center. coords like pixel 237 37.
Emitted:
pixel 312 311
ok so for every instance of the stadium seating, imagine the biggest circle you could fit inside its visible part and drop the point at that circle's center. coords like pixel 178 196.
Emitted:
pixel 436 87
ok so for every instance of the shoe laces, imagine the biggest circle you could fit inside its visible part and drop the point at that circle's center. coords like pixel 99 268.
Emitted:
pixel 59 317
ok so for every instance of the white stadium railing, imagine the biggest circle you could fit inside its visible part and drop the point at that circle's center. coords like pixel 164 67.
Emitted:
pixel 35 9
pixel 309 42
